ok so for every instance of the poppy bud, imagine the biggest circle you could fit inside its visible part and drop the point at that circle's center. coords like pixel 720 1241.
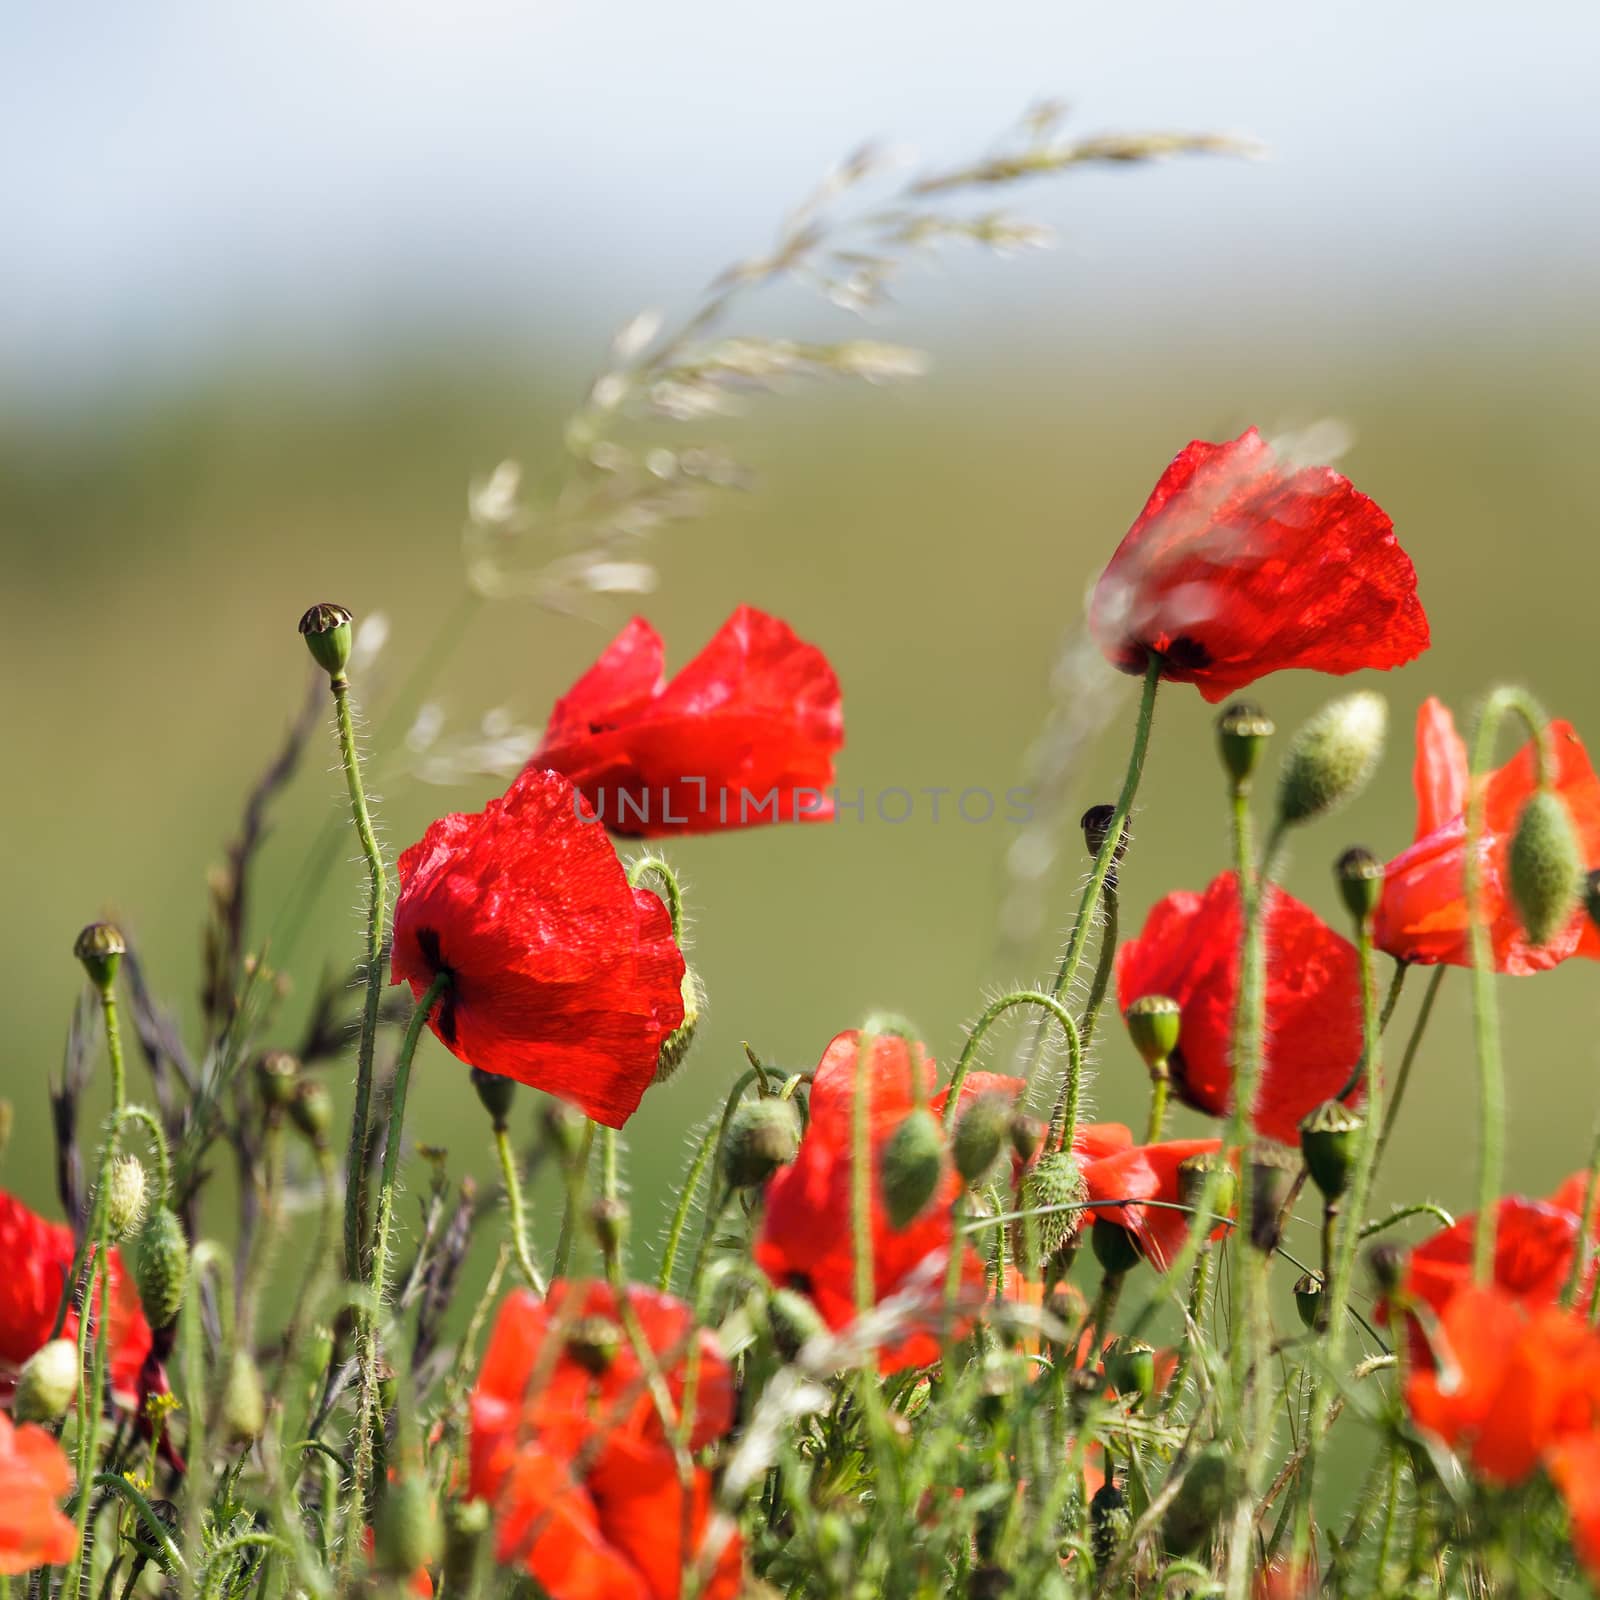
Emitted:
pixel 980 1131
pixel 1153 1023
pixel 1333 757
pixel 593 1343
pixel 161 1266
pixel 1308 1288
pixel 1194 1172
pixel 1110 1520
pixel 311 1110
pixel 1387 1263
pixel 126 1192
pixel 1360 876
pixel 1328 1138
pixel 609 1219
pixel 1272 1174
pixel 495 1092
pixel 1131 1369
pixel 762 1136
pixel 406 1527
pixel 1056 1189
pixel 276 1073
pixel 48 1383
pixel 1207 1493
pixel 1027 1134
pixel 1545 867
pixel 913 1161
pixel 100 948
pixel 1115 1248
pixel 794 1321
pixel 563 1127
pixel 676 1044
pixel 1242 734
pixel 244 1406
pixel 326 630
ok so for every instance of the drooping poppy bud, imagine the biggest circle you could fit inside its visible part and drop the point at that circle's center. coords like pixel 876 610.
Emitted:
pixel 980 1131
pixel 1328 1139
pixel 1360 878
pixel 912 1162
pixel 161 1266
pixel 326 630
pixel 47 1386
pixel 1027 1134
pixel 763 1135
pixel 1545 867
pixel 100 947
pixel 1332 757
pixel 676 1044
pixel 1096 825
pixel 126 1192
pixel 1242 733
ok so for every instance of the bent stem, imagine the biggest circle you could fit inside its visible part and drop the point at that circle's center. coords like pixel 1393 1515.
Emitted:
pixel 368 1418
pixel 517 1209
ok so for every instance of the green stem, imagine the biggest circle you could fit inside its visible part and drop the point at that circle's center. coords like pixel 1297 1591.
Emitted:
pixel 577 1177
pixel 1583 1252
pixel 515 1205
pixel 368 1418
pixel 1160 1085
pixel 1413 1045
pixel 377 911
pixel 1105 962
pixel 1194 1332
pixel 687 1193
pixel 1067 1104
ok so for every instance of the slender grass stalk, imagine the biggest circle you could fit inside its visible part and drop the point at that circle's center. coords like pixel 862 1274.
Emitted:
pixel 1408 1057
pixel 517 1208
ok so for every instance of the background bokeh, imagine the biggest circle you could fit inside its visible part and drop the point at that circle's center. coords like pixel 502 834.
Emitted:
pixel 279 283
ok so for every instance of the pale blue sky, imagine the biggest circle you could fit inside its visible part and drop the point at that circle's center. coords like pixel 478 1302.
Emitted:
pixel 186 176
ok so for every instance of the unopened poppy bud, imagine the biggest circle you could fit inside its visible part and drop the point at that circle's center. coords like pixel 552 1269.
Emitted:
pixel 1333 757
pixel 495 1092
pixel 311 1110
pixel 1242 734
pixel 161 1266
pixel 1360 876
pixel 593 1343
pixel 913 1161
pixel 763 1135
pixel 406 1527
pixel 1056 1190
pixel 676 1044
pixel 244 1406
pixel 1328 1139
pixel 562 1126
pixel 1153 1023
pixel 1115 1248
pixel 1206 1495
pixel 980 1131
pixel 47 1386
pixel 1272 1173
pixel 276 1075
pixel 326 630
pixel 609 1219
pixel 100 947
pixel 1096 825
pixel 1545 867
pixel 1131 1369
pixel 1110 1521
pixel 1387 1264
pixel 1207 1168
pixel 794 1322
pixel 1308 1291
pixel 1027 1134
pixel 126 1192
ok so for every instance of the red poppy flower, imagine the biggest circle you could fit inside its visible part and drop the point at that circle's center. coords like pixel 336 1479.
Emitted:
pixel 1423 913
pixel 34 1478
pixel 1189 949
pixel 38 1257
pixel 1241 564
pixel 562 976
pixel 1119 1182
pixel 569 1450
pixel 746 733
pixel 1574 1465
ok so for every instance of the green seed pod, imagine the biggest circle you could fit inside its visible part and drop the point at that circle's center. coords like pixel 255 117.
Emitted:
pixel 276 1075
pixel 1194 1172
pixel 1308 1291
pixel 1545 867
pixel 1333 757
pixel 126 1192
pixel 762 1136
pixel 1360 878
pixel 100 947
pixel 1153 1023
pixel 1387 1264
pixel 406 1527
pixel 47 1386
pixel 913 1161
pixel 244 1405
pixel 676 1044
pixel 1055 1181
pixel 1242 734
pixel 161 1267
pixel 496 1093
pixel 326 630
pixel 1110 1521
pixel 1131 1369
pixel 1273 1170
pixel 794 1322
pixel 1328 1139
pixel 593 1342
pixel 980 1132
pixel 1115 1248
pixel 1204 1498
pixel 311 1110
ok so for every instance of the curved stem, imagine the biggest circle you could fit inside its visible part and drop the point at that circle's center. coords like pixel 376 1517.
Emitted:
pixel 687 1192
pixel 516 1206
pixel 660 869
pixel 377 910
